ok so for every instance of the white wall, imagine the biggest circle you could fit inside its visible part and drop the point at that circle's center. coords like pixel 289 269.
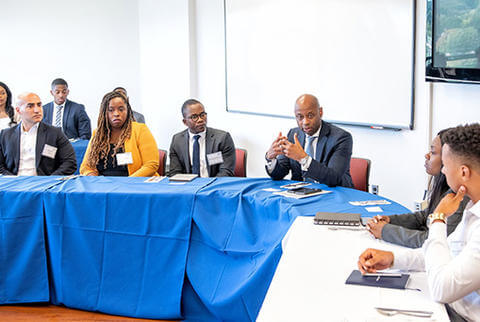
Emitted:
pixel 93 45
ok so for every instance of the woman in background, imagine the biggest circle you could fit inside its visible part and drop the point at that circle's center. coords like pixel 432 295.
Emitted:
pixel 119 146
pixel 8 117
pixel 411 230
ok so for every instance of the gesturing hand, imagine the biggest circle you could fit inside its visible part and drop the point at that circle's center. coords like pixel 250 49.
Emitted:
pixel 276 148
pixel 450 203
pixel 294 150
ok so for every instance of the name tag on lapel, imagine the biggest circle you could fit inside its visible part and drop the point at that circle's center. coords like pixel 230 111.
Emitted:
pixel 124 158
pixel 215 158
pixel 49 151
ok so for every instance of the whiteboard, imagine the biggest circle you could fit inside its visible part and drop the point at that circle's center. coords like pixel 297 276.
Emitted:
pixel 356 56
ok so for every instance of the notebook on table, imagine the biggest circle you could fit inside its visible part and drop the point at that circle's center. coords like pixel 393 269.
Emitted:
pixel 337 219
pixel 397 282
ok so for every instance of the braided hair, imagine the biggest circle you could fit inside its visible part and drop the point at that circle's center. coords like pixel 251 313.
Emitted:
pixel 8 105
pixel 100 145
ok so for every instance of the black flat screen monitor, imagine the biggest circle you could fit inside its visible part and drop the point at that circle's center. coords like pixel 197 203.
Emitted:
pixel 453 41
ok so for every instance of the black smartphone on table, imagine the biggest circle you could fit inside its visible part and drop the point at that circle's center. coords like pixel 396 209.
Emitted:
pixel 304 191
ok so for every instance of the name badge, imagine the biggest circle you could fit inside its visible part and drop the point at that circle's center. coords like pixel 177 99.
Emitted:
pixel 124 158
pixel 215 158
pixel 49 151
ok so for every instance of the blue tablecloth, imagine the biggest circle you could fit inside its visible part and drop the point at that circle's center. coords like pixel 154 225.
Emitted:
pixel 23 262
pixel 236 242
pixel 203 250
pixel 119 245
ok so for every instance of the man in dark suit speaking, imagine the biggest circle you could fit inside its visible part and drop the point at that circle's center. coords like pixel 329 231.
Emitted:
pixel 65 114
pixel 315 150
pixel 200 149
pixel 33 147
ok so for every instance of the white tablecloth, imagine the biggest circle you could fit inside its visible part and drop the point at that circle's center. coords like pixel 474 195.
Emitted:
pixel 309 283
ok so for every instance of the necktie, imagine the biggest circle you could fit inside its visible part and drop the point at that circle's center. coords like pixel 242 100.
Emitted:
pixel 309 147
pixel 58 116
pixel 196 155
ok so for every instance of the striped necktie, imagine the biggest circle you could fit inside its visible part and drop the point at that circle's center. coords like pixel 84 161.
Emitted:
pixel 58 116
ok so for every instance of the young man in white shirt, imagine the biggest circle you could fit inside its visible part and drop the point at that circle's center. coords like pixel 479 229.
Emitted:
pixel 452 264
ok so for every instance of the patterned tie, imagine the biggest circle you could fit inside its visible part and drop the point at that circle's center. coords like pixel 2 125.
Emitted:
pixel 196 155
pixel 58 116
pixel 309 147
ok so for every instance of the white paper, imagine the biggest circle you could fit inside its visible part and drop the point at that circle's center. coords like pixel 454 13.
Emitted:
pixel 215 158
pixel 370 202
pixel 124 158
pixel 374 209
pixel 49 151
pixel 154 179
pixel 271 189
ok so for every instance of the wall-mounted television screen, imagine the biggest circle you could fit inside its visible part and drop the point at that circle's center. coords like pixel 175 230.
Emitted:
pixel 453 41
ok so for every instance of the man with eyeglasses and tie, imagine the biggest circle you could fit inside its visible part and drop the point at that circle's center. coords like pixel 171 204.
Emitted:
pixel 199 149
pixel 65 114
pixel 314 151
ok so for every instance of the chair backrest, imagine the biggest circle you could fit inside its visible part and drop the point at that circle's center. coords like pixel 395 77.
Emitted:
pixel 241 163
pixel 360 172
pixel 162 161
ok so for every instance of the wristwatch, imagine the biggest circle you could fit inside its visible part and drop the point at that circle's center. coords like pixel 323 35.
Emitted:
pixel 437 216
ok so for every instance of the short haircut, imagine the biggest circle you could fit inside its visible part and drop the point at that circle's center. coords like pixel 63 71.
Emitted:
pixel 120 88
pixel 187 103
pixel 464 141
pixel 59 81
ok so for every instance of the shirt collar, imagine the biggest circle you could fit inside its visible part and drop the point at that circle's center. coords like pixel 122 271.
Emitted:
pixel 56 106
pixel 202 134
pixel 32 130
pixel 474 209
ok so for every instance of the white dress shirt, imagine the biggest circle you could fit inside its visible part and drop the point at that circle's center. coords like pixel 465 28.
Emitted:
pixel 4 123
pixel 55 110
pixel 272 163
pixel 28 143
pixel 201 142
pixel 452 264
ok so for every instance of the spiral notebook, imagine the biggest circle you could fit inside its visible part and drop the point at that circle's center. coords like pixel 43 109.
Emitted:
pixel 337 219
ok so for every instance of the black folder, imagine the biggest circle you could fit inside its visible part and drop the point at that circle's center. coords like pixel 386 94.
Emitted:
pixel 357 278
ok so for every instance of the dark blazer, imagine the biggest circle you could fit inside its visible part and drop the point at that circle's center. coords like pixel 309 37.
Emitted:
pixel 138 117
pixel 411 230
pixel 331 164
pixel 76 123
pixel 64 162
pixel 215 140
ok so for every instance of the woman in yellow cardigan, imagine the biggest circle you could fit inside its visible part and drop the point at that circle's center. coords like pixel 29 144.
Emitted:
pixel 120 146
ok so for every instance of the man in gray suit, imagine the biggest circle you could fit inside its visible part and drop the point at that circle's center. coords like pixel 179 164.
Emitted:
pixel 200 149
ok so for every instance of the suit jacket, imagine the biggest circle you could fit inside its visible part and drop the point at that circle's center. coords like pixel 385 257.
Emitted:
pixel 215 140
pixel 144 151
pixel 138 117
pixel 64 162
pixel 411 230
pixel 331 164
pixel 76 123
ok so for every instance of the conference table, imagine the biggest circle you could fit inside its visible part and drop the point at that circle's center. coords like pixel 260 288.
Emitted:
pixel 206 249
pixel 309 283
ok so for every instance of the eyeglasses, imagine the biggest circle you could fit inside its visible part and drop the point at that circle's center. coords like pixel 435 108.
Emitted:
pixel 195 117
